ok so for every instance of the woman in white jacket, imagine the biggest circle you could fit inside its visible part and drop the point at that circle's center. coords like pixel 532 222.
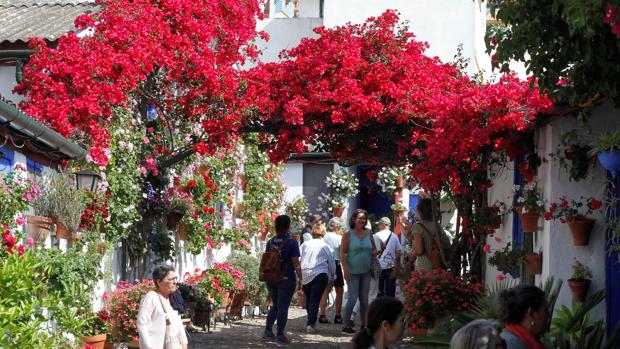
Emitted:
pixel 160 326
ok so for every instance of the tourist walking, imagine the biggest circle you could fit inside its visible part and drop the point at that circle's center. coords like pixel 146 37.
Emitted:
pixel 523 309
pixel 356 253
pixel 282 292
pixel 159 325
pixel 385 325
pixel 430 246
pixel 389 258
pixel 318 269
pixel 311 221
pixel 478 334
pixel 333 239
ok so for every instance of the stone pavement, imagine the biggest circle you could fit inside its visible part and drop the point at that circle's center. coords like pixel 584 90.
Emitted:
pixel 247 333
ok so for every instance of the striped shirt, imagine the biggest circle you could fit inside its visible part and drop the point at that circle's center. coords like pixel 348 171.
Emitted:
pixel 316 258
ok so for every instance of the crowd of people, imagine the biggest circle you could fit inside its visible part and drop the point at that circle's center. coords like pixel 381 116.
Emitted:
pixel 334 255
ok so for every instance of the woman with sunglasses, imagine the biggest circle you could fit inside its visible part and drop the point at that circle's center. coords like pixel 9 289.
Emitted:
pixel 160 326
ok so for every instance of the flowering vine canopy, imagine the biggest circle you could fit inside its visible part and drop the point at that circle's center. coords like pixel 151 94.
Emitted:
pixel 360 91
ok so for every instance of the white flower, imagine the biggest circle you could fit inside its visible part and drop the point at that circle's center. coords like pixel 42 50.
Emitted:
pixel 521 200
pixel 540 203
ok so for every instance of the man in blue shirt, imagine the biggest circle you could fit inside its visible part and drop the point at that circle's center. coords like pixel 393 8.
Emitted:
pixel 282 292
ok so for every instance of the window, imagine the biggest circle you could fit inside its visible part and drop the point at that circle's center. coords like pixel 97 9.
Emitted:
pixel 35 169
pixel 7 157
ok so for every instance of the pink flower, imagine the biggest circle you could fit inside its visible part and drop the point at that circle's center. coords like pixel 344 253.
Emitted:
pixel 29 241
pixel 143 170
pixel 146 140
pixel 486 248
pixel 498 239
pixel 20 220
pixel 500 277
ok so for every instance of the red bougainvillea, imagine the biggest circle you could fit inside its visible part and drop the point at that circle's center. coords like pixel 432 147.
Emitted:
pixel 368 91
pixel 177 55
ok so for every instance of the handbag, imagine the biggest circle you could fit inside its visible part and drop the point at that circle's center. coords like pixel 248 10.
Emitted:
pixel 172 339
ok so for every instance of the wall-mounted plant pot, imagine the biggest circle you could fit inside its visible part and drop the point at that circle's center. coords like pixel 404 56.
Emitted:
pixel 238 209
pixel 579 289
pixel 610 160
pixel 183 232
pixel 39 227
pixel 533 263
pixel 581 229
pixel 337 211
pixel 243 182
pixel 62 232
pixel 180 188
pixel 97 342
pixel 399 182
pixel 203 170
pixel 529 220
pixel 173 218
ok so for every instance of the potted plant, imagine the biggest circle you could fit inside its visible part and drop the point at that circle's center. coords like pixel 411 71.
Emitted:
pixel 16 193
pixel 248 265
pixel 491 217
pixel 96 332
pixel 507 260
pixel 177 204
pixel 450 294
pixel 528 203
pixel 297 210
pixel 203 169
pixel 62 202
pixel 392 179
pixel 580 281
pixel 533 263
pixel 123 305
pixel 342 185
pixel 574 213
pixel 607 149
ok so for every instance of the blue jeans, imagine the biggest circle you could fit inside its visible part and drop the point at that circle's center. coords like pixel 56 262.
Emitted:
pixel 358 287
pixel 313 292
pixel 281 295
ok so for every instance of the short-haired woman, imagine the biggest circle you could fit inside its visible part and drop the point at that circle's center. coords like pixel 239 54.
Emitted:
pixel 478 334
pixel 523 309
pixel 385 325
pixel 160 326
pixel 333 239
pixel 356 254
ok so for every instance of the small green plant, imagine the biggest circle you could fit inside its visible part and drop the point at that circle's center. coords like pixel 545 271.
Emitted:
pixel 60 200
pixel 529 197
pixel 607 141
pixel 398 207
pixel 507 260
pixel 580 271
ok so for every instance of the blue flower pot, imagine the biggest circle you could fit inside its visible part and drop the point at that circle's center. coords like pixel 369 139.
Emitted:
pixel 610 160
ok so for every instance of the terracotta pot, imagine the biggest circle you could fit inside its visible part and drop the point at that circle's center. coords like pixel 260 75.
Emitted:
pixel 337 211
pixel 62 232
pixel 227 298
pixel 133 344
pixel 100 248
pixel 579 289
pixel 203 170
pixel 581 229
pixel 108 345
pixel 399 182
pixel 239 207
pixel 180 188
pixel 96 342
pixel 182 232
pixel 39 227
pixel 173 218
pixel 237 304
pixel 529 220
pixel 243 182
pixel 533 263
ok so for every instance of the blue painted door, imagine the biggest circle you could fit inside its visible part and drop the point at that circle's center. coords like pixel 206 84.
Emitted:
pixel 370 196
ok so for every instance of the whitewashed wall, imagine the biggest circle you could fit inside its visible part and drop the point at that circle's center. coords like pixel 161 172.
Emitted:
pixel 7 83
pixel 555 239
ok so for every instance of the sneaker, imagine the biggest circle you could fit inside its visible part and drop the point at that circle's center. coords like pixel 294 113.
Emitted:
pixel 323 319
pixel 268 336
pixel 310 329
pixel 282 339
pixel 337 319
pixel 348 330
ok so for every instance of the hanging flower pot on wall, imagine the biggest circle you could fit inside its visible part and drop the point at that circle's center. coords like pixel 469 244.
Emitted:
pixel 581 229
pixel 337 211
pixel 203 170
pixel 183 232
pixel 39 227
pixel 610 160
pixel 579 289
pixel 173 218
pixel 533 263
pixel 529 219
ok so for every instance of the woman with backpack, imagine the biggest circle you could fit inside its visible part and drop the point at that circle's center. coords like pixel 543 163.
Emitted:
pixel 431 247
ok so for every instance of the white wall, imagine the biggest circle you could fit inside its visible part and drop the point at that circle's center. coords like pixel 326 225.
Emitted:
pixel 7 83
pixel 555 239
pixel 309 8
pixel 284 33
pixel 293 179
